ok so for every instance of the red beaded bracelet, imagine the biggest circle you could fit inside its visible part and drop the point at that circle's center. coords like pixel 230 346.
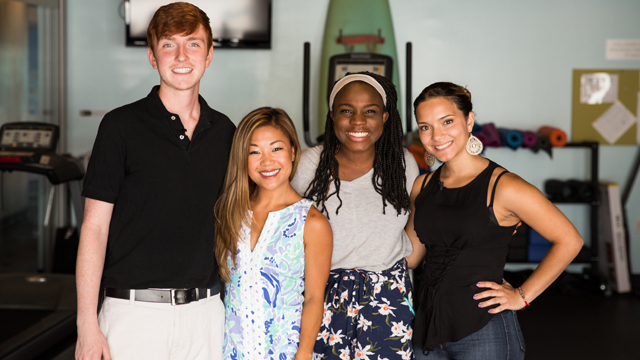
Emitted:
pixel 523 299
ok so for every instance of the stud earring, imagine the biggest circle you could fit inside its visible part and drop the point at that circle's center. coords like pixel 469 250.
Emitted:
pixel 429 158
pixel 474 145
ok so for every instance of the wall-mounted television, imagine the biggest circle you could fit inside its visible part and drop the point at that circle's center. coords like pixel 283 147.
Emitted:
pixel 234 23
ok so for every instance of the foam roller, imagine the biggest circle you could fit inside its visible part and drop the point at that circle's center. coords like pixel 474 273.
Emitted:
pixel 557 137
pixel 510 138
pixel 489 136
pixel 529 139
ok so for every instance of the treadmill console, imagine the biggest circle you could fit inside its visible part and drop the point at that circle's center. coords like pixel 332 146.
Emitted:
pixel 31 147
pixel 340 65
pixel 29 137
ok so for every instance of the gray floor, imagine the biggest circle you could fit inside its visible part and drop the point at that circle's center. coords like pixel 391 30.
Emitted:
pixel 582 327
pixel 18 246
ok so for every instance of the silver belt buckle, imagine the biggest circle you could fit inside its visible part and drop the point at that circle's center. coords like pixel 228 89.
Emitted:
pixel 173 297
pixel 185 300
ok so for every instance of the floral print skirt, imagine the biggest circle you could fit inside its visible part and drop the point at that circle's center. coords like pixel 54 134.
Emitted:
pixel 367 315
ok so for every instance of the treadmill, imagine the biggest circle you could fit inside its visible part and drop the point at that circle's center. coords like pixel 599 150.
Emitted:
pixel 38 310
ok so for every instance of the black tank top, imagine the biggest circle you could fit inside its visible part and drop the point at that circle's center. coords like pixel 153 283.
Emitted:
pixel 464 245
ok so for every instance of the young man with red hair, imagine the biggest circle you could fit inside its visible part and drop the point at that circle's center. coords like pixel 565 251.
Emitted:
pixel 146 243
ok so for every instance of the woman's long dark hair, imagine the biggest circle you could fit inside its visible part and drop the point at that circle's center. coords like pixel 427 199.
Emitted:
pixel 389 178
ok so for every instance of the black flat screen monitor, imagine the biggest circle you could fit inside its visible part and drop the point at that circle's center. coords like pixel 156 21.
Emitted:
pixel 234 23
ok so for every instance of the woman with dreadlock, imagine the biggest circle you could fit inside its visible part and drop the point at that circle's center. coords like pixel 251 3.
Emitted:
pixel 359 180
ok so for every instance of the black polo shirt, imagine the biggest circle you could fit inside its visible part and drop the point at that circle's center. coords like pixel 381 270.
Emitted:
pixel 163 187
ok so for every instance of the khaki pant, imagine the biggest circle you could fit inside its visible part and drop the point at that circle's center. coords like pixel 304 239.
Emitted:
pixel 142 330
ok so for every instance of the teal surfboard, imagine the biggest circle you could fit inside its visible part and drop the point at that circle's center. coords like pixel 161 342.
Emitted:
pixel 352 26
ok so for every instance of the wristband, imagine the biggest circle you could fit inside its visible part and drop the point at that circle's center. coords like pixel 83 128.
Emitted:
pixel 523 299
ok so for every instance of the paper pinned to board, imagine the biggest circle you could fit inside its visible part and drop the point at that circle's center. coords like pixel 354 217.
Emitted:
pixel 614 122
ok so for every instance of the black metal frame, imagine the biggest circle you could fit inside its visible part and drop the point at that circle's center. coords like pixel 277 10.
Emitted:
pixel 408 104
pixel 594 203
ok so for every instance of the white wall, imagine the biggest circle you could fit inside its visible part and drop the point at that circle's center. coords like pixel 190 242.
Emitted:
pixel 516 58
pixel 104 74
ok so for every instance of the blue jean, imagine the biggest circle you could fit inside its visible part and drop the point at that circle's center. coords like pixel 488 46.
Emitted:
pixel 500 339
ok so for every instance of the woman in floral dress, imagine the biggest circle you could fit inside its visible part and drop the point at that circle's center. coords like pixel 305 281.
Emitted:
pixel 265 233
pixel 359 179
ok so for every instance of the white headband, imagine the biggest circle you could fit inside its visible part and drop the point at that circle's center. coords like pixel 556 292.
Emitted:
pixel 356 77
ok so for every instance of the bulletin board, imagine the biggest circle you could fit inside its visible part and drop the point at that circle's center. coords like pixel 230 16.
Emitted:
pixel 606 106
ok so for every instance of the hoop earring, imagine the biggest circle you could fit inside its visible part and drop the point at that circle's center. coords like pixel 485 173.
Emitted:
pixel 429 158
pixel 474 145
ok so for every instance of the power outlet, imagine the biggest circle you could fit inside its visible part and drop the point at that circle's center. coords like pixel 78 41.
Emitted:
pixel 637 225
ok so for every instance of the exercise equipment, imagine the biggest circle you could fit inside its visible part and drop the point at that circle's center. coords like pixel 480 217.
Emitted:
pixel 362 32
pixel 38 310
pixel 544 139
pixel 569 191
pixel 557 137
pixel 418 152
pixel 537 247
pixel 510 138
pixel 529 138
pixel 489 135
pixel 365 42
pixel 543 144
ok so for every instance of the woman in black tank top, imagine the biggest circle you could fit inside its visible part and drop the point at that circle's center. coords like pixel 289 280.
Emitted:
pixel 463 216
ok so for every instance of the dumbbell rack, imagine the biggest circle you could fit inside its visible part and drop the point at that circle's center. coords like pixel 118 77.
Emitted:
pixel 589 255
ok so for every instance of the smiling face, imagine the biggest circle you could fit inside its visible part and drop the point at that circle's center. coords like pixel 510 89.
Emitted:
pixel 442 127
pixel 181 60
pixel 358 117
pixel 270 158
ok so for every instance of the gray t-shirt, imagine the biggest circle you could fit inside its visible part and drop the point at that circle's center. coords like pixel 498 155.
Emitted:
pixel 363 237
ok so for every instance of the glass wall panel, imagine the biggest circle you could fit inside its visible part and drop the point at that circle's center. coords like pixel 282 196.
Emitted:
pixel 29 73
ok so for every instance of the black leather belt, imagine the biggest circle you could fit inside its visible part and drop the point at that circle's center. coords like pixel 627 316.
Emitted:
pixel 173 296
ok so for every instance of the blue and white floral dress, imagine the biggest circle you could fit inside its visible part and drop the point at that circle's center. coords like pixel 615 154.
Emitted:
pixel 263 300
